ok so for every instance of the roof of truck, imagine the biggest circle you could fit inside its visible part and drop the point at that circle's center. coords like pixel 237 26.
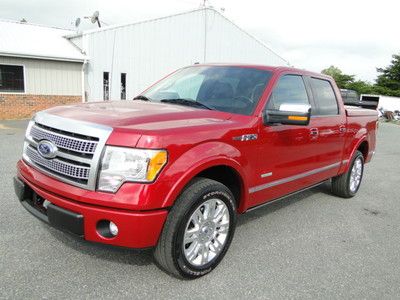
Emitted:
pixel 269 68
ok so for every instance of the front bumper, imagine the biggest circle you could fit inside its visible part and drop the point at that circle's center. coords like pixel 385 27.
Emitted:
pixel 135 229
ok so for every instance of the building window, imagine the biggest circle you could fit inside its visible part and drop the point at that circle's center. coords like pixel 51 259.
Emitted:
pixel 123 86
pixel 12 79
pixel 106 86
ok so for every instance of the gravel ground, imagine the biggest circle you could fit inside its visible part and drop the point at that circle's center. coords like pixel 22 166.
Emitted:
pixel 311 245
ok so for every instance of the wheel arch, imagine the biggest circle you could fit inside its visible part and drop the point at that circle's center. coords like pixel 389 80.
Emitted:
pixel 362 145
pixel 222 169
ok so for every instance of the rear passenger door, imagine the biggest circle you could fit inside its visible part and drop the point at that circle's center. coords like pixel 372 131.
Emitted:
pixel 327 124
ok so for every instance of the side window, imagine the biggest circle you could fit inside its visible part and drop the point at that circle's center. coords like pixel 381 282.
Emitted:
pixel 289 90
pixel 324 97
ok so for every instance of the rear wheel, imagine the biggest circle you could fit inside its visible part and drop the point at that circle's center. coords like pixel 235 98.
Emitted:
pixel 198 230
pixel 347 184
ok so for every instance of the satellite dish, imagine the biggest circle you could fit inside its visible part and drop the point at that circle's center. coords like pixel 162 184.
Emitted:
pixel 77 22
pixel 95 18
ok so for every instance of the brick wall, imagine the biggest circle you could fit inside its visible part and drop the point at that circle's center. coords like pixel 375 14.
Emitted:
pixel 19 106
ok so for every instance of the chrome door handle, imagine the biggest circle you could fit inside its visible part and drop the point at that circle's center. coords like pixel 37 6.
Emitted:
pixel 342 129
pixel 314 131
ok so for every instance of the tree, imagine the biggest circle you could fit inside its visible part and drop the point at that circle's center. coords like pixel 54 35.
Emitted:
pixel 361 87
pixel 389 79
pixel 342 80
pixel 387 83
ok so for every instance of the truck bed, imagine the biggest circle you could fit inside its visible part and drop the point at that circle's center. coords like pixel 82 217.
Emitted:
pixel 352 111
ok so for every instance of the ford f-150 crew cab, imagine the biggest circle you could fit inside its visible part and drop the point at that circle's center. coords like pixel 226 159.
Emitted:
pixel 173 168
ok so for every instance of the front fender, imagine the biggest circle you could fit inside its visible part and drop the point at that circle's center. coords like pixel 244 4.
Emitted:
pixel 200 158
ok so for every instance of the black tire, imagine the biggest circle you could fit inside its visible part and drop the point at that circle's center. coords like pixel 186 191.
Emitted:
pixel 168 253
pixel 341 183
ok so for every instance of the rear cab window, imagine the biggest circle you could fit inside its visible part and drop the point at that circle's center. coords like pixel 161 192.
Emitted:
pixel 324 97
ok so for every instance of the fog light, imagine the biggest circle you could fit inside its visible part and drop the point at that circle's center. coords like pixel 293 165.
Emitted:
pixel 113 228
pixel 107 229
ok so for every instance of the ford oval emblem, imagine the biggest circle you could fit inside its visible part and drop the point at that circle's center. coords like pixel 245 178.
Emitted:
pixel 47 149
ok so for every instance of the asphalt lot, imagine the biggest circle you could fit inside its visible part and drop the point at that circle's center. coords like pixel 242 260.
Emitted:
pixel 311 245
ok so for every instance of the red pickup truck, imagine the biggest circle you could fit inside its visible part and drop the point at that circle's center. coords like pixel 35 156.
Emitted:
pixel 173 168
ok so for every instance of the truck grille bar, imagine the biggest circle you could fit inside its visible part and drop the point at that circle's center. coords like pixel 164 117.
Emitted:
pixel 58 166
pixel 79 147
pixel 62 141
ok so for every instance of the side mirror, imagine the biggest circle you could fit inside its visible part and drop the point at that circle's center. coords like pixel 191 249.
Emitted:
pixel 288 114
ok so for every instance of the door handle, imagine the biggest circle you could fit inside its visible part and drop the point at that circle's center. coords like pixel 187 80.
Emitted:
pixel 342 129
pixel 314 132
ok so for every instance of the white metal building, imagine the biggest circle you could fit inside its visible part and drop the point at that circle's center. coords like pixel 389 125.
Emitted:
pixel 43 66
pixel 125 59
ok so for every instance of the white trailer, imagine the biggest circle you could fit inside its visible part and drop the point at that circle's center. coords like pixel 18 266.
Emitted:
pixel 389 103
pixel 385 103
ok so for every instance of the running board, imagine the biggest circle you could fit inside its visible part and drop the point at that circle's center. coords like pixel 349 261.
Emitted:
pixel 283 197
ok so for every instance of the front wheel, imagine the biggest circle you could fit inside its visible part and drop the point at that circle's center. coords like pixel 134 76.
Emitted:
pixel 347 184
pixel 198 230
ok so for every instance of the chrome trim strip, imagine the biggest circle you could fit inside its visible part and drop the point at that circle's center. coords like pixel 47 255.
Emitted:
pixel 31 141
pixel 266 175
pixel 82 127
pixel 74 157
pixel 292 178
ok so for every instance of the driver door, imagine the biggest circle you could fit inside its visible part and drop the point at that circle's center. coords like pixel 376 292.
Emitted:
pixel 286 151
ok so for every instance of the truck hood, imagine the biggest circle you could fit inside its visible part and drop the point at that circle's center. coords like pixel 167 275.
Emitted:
pixel 138 115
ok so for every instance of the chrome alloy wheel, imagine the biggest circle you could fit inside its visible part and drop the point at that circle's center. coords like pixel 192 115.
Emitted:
pixel 355 175
pixel 206 232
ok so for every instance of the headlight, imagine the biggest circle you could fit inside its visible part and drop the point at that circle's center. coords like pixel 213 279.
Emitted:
pixel 120 165
pixel 27 135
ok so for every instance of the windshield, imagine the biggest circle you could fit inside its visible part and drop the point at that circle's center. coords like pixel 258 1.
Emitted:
pixel 229 89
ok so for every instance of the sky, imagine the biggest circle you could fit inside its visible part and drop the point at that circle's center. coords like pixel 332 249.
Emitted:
pixel 355 35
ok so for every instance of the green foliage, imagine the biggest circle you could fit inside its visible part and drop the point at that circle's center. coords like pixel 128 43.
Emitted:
pixel 389 79
pixel 387 83
pixel 362 87
pixel 342 80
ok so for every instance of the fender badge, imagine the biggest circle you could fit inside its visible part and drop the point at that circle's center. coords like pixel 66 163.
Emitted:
pixel 246 137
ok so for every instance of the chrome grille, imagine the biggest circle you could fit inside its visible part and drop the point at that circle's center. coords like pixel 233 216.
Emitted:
pixel 63 141
pixel 55 165
pixel 79 144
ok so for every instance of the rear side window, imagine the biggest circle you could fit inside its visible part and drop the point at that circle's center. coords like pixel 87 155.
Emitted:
pixel 289 90
pixel 324 97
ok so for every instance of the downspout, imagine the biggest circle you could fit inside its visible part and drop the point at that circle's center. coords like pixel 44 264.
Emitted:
pixel 205 36
pixel 83 80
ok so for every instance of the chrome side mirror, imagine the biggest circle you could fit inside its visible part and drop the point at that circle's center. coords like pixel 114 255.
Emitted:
pixel 289 114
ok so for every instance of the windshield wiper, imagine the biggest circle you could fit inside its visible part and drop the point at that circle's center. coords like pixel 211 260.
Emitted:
pixel 187 102
pixel 141 97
